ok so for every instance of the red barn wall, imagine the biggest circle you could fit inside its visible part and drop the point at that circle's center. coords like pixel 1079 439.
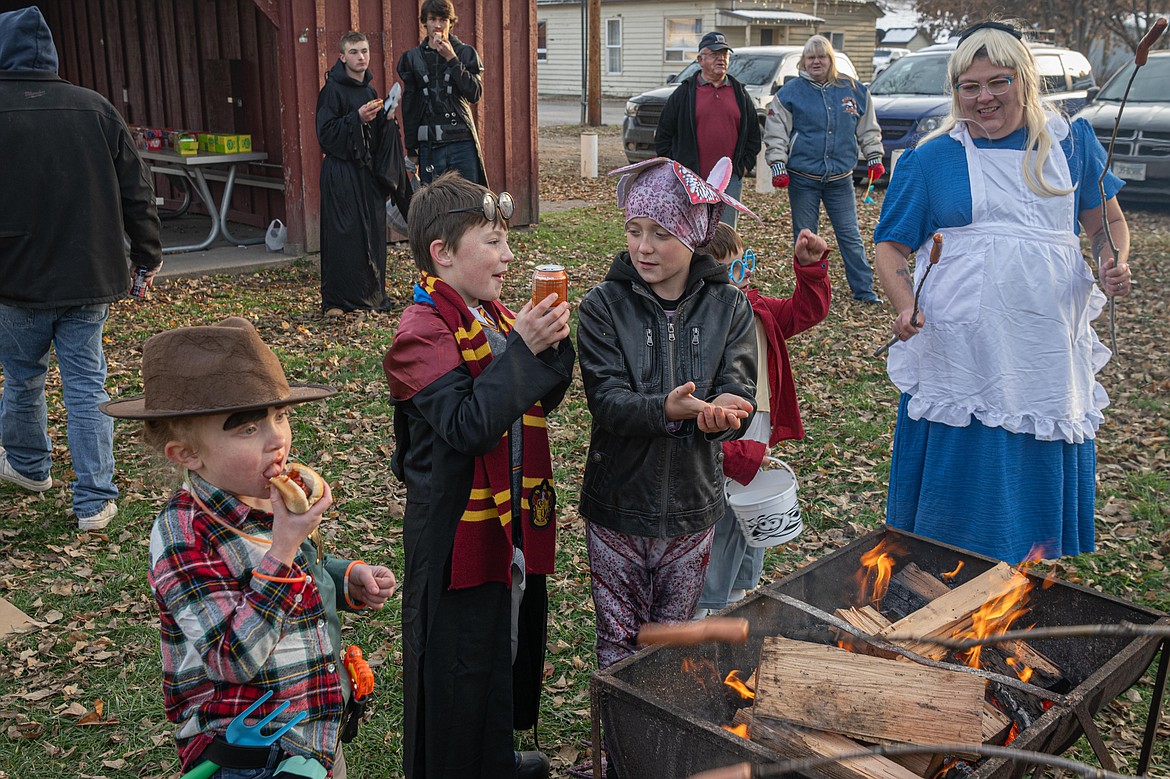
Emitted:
pixel 256 66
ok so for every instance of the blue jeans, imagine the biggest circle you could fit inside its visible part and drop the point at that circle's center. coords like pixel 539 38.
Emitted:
pixel 26 335
pixel 806 195
pixel 733 565
pixel 460 156
pixel 735 189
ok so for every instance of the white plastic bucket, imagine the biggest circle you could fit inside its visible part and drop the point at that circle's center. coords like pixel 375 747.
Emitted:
pixel 766 508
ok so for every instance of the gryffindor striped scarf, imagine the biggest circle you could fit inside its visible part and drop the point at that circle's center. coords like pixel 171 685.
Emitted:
pixel 483 538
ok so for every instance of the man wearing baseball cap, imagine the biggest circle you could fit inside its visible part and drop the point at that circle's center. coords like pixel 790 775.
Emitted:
pixel 711 116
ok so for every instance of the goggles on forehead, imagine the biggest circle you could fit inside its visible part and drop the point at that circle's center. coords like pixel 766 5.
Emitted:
pixel 742 267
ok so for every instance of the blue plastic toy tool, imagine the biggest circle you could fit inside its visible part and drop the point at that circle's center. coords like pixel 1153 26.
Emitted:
pixel 242 734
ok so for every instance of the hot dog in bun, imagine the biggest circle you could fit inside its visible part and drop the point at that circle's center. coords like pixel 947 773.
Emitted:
pixel 299 486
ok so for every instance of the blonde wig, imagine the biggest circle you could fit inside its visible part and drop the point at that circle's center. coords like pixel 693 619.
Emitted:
pixel 1004 49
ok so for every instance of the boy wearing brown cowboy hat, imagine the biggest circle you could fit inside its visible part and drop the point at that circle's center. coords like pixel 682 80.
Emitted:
pixel 247 599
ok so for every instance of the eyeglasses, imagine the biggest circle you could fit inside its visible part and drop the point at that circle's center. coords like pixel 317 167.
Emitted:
pixel 742 267
pixel 491 205
pixel 971 89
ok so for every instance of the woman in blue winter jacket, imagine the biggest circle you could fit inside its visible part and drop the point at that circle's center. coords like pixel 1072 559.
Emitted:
pixel 816 126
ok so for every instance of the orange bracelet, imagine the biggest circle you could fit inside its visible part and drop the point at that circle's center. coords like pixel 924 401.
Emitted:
pixel 282 579
pixel 345 587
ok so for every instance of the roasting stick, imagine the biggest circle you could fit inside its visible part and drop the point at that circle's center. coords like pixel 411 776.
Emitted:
pixel 1143 53
pixel 1121 629
pixel 802 765
pixel 723 630
pixel 935 254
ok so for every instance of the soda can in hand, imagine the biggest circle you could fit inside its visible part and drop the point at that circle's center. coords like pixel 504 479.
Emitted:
pixel 140 283
pixel 547 280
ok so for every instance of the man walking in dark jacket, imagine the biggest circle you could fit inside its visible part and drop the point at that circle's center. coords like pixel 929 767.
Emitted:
pixel 441 79
pixel 73 182
pixel 711 116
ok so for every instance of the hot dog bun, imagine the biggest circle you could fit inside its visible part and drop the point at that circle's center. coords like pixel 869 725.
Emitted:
pixel 297 498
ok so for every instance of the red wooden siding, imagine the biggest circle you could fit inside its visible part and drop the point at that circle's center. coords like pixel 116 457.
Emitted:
pixel 256 66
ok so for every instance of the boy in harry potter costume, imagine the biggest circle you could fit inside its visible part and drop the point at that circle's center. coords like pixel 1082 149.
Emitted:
pixel 471 385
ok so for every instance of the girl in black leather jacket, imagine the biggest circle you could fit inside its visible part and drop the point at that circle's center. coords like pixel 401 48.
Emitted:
pixel 668 357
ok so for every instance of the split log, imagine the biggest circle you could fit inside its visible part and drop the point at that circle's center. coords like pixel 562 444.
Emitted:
pixel 922 587
pixel 792 741
pixel 910 589
pixel 868 619
pixel 995 723
pixel 870 698
pixel 951 612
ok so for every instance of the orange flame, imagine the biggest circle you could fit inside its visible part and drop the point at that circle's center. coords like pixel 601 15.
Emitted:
pixel 1012 733
pixel 952 574
pixel 947 765
pixel 878 565
pixel 1022 670
pixel 703 671
pixel 998 613
pixel 734 682
pixel 739 730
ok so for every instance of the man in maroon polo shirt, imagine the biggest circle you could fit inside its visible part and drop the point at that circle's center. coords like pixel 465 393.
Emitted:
pixel 711 116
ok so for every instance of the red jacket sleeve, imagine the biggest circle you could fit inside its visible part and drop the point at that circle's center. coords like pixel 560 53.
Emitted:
pixel 809 304
pixel 742 459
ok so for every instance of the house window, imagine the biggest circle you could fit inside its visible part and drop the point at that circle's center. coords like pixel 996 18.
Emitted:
pixel 613 46
pixel 682 39
pixel 836 38
pixel 542 41
pixel 766 36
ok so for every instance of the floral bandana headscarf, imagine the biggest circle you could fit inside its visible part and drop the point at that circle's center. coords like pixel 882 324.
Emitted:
pixel 677 198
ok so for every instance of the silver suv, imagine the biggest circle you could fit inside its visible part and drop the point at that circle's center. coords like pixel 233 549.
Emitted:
pixel 761 69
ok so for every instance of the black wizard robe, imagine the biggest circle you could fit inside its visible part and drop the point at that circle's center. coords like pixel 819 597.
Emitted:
pixel 363 165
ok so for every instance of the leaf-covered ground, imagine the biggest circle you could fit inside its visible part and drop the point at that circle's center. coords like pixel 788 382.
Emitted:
pixel 79 694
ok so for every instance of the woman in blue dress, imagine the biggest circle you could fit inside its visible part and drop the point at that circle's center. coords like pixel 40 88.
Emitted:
pixel 994 443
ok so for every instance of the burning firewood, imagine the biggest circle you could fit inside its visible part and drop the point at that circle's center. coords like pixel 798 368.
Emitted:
pixel 995 723
pixel 793 741
pixel 869 698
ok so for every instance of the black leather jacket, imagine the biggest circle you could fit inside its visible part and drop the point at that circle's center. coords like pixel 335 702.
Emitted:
pixel 642 478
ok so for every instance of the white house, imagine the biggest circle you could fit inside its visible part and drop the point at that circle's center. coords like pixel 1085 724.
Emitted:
pixel 912 38
pixel 645 41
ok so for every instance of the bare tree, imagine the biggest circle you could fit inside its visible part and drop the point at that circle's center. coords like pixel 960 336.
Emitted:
pixel 1073 23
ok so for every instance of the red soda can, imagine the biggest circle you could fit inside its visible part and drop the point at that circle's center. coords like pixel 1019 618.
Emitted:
pixel 546 280
pixel 138 286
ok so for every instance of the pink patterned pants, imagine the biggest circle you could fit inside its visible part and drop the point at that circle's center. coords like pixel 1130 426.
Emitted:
pixel 637 579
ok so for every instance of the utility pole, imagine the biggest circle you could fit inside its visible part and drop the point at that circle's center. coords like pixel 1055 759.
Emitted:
pixel 594 79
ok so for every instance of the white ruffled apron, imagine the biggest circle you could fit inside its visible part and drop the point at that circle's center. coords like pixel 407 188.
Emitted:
pixel 1008 335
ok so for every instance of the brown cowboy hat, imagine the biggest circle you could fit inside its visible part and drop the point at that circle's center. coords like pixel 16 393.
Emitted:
pixel 218 369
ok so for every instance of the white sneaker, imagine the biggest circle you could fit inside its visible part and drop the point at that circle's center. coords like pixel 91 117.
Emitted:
pixel 8 473
pixel 736 596
pixel 700 613
pixel 100 519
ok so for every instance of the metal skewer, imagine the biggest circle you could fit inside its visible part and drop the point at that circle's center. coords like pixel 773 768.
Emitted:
pixel 1143 53
pixel 935 254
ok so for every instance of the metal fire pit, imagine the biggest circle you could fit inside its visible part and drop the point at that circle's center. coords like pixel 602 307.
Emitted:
pixel 662 722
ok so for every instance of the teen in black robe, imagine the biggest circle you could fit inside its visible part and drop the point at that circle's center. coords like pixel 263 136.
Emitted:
pixel 353 193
